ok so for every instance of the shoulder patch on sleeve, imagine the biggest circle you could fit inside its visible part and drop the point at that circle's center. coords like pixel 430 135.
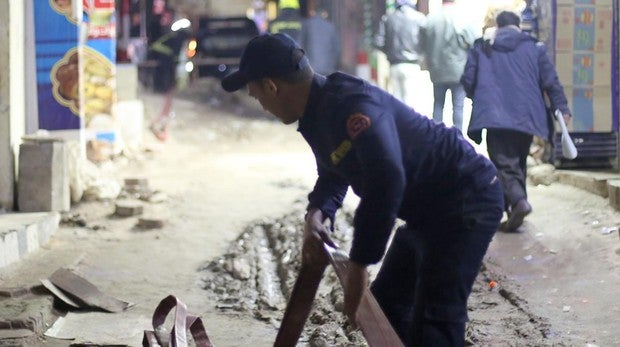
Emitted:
pixel 356 124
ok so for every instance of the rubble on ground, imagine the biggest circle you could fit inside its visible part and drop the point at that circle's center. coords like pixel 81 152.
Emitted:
pixel 258 271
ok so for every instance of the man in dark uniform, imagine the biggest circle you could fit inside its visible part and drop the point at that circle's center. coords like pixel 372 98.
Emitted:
pixel 402 165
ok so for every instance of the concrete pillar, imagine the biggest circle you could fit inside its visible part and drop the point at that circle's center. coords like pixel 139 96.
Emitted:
pixel 12 94
pixel 7 159
pixel 43 183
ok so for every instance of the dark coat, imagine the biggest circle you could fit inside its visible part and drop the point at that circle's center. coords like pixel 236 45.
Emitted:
pixel 321 41
pixel 506 81
pixel 400 163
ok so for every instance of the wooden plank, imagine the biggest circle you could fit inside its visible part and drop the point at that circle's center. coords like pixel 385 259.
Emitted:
pixel 299 305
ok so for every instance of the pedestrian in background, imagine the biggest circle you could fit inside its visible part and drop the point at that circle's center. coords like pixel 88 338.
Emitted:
pixel 288 21
pixel 398 38
pixel 321 41
pixel 506 78
pixel 401 165
pixel 166 51
pixel 445 40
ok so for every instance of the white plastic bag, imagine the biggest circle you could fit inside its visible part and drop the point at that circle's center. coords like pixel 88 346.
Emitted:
pixel 569 151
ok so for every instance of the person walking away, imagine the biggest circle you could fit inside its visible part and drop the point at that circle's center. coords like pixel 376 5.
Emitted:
pixel 321 41
pixel 506 79
pixel 166 51
pixel 401 165
pixel 398 38
pixel 445 40
pixel 288 21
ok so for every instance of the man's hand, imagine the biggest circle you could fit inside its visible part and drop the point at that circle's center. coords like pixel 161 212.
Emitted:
pixel 567 117
pixel 312 250
pixel 354 287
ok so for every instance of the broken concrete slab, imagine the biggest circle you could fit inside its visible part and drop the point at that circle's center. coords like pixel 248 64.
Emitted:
pixel 84 293
pixel 121 329
pixel 59 293
pixel 31 312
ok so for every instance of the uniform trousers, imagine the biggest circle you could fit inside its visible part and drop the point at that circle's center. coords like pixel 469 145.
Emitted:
pixel 430 267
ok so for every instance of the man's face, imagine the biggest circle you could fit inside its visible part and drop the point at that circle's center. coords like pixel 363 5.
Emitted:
pixel 267 94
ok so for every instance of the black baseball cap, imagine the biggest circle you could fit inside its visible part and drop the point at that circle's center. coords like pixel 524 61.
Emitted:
pixel 267 55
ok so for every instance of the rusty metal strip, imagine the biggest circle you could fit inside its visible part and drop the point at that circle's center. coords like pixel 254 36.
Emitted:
pixel 372 321
pixel 82 291
pixel 299 305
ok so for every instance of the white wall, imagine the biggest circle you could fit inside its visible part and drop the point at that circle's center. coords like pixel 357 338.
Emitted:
pixel 7 166
pixel 12 94
pixel 17 64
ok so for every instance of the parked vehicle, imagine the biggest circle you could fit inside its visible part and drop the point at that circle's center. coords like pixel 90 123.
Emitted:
pixel 218 44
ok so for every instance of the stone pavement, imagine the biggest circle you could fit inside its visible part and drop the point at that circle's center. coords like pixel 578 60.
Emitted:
pixel 602 183
pixel 26 312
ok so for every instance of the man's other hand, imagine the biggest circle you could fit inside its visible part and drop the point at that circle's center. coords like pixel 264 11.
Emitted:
pixel 312 250
pixel 354 287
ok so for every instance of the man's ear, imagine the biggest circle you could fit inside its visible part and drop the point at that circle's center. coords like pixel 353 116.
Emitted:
pixel 270 86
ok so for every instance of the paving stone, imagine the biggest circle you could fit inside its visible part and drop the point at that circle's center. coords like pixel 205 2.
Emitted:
pixel 613 190
pixel 128 208
pixel 592 182
pixel 12 292
pixel 31 312
pixel 136 185
pixel 15 334
pixel 150 223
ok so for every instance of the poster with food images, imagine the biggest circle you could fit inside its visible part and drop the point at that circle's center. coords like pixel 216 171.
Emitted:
pixel 75 78
pixel 56 46
pixel 99 57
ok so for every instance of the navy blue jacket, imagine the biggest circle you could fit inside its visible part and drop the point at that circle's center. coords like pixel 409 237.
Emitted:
pixel 400 163
pixel 506 81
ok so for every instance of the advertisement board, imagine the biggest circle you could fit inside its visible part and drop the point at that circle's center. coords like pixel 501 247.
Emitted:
pixel 98 60
pixel 56 47
pixel 583 46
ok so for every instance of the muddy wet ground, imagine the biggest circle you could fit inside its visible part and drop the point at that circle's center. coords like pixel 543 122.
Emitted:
pixel 257 273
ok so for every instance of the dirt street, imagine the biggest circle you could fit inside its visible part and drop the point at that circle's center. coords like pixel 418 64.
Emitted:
pixel 236 182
